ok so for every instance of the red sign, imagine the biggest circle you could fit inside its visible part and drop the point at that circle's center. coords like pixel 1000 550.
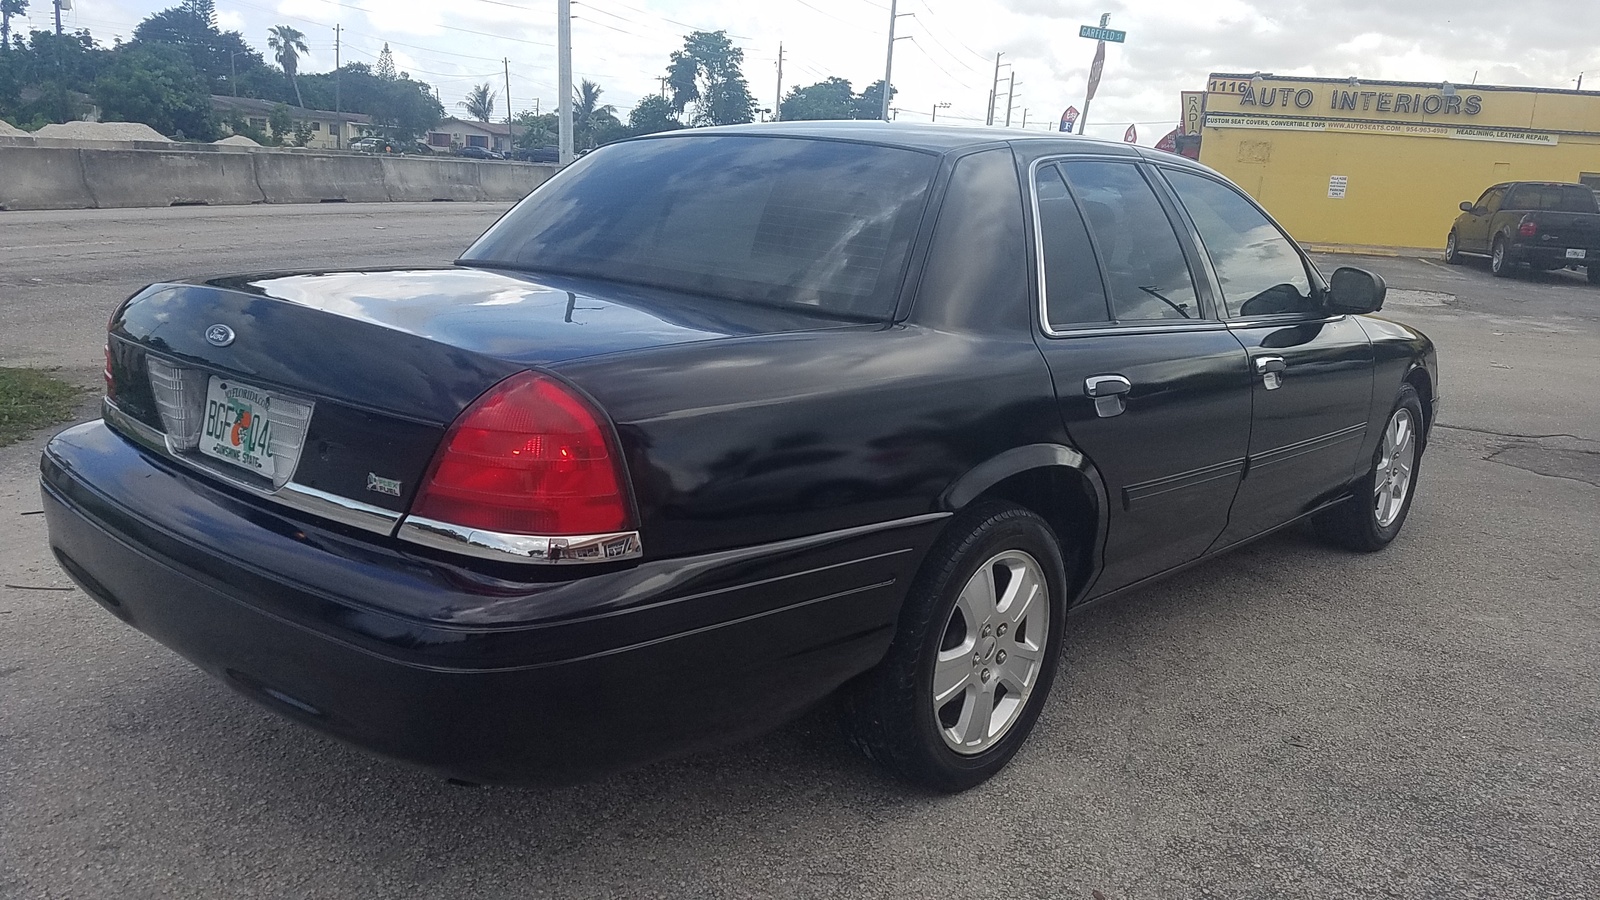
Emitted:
pixel 1169 143
pixel 1095 68
pixel 1068 118
pixel 1131 135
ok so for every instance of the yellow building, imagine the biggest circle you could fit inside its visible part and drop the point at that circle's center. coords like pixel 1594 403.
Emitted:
pixel 1385 163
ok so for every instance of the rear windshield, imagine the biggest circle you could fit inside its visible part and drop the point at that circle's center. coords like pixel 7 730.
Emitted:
pixel 1562 197
pixel 822 225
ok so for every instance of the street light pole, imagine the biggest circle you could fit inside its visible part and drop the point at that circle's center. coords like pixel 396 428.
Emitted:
pixel 888 62
pixel 564 79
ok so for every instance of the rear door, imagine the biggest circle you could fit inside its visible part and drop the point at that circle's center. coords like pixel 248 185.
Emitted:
pixel 1150 383
pixel 1311 372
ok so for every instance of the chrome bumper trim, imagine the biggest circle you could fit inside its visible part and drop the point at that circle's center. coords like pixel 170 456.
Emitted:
pixel 309 500
pixel 588 548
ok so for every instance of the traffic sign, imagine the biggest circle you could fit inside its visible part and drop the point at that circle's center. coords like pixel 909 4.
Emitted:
pixel 1102 34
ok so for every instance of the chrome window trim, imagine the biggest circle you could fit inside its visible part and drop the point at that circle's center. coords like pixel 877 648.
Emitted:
pixel 1111 327
pixel 502 547
pixel 343 510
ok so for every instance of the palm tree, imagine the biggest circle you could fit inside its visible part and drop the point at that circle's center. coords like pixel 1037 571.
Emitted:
pixel 588 114
pixel 479 103
pixel 289 43
pixel 9 8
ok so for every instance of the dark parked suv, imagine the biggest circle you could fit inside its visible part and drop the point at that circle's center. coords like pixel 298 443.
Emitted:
pixel 720 423
pixel 1546 225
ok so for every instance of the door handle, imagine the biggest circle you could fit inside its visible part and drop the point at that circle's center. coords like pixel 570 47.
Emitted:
pixel 1109 393
pixel 1271 369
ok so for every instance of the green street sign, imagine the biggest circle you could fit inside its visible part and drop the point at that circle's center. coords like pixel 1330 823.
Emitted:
pixel 1102 34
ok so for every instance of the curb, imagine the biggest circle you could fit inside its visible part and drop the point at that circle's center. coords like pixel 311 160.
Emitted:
pixel 1366 250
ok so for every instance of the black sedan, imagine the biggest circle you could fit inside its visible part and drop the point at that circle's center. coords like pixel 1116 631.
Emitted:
pixel 479 153
pixel 718 424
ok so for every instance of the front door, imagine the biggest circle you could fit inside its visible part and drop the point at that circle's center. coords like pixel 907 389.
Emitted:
pixel 1472 231
pixel 1152 386
pixel 1311 373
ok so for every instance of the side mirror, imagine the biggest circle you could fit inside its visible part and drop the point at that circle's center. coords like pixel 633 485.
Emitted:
pixel 1466 206
pixel 1355 291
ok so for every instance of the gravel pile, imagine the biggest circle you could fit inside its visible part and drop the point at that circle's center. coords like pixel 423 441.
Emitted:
pixel 102 131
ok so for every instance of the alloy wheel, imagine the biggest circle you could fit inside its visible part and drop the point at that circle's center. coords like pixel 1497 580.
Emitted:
pixel 1397 458
pixel 991 652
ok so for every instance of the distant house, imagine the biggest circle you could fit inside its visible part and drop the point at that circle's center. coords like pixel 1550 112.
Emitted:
pixel 329 130
pixel 452 134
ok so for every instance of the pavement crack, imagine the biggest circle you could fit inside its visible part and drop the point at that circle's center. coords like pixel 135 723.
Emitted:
pixel 1510 434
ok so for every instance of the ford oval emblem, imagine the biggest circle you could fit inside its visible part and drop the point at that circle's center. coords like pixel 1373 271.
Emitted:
pixel 219 335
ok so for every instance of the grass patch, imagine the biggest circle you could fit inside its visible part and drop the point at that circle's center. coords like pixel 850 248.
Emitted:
pixel 30 400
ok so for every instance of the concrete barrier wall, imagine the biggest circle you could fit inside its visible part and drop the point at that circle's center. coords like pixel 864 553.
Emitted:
pixel 314 179
pixel 415 178
pixel 512 181
pixel 118 178
pixel 33 176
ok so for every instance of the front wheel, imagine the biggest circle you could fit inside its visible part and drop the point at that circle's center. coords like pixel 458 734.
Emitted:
pixel 1452 250
pixel 1500 258
pixel 973 658
pixel 1373 515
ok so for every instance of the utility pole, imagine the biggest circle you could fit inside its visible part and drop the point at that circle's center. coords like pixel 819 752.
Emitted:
pixel 58 17
pixel 1024 117
pixel 1011 95
pixel 663 79
pixel 888 62
pixel 338 122
pixel 777 104
pixel 994 90
pixel 564 80
pixel 511 139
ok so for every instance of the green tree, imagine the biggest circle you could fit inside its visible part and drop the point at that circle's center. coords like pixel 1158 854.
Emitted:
pixel 832 98
pixel 706 74
pixel 538 131
pixel 593 123
pixel 216 55
pixel 287 44
pixel 870 104
pixel 402 109
pixel 9 8
pixel 651 115
pixel 385 69
pixel 156 85
pixel 479 103
pixel 279 124
pixel 55 72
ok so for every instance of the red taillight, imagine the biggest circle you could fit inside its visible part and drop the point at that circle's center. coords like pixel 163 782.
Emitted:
pixel 529 457
pixel 1528 228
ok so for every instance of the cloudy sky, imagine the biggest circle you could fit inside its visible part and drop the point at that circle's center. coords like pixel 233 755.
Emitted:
pixel 948 54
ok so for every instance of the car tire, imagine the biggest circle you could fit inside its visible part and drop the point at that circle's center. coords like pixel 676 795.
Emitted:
pixel 1377 509
pixel 1452 252
pixel 995 673
pixel 1500 258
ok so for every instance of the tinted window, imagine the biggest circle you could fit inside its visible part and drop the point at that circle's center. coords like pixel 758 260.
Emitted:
pixel 817 224
pixel 1143 263
pixel 1073 291
pixel 1260 272
pixel 1562 197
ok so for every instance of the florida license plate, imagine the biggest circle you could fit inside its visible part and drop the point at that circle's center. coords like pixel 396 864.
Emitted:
pixel 239 428
pixel 1577 254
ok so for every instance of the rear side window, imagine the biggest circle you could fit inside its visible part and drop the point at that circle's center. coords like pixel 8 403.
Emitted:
pixel 1073 291
pixel 1260 273
pixel 1145 270
pixel 819 225
pixel 1559 197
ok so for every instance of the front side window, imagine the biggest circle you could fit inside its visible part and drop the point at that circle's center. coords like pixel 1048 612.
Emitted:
pixel 1145 270
pixel 810 224
pixel 1259 271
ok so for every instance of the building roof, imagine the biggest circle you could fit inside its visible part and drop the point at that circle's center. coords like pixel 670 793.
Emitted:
pixel 498 128
pixel 250 106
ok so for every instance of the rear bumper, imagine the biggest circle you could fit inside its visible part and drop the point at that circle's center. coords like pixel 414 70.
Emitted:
pixel 1553 255
pixel 479 677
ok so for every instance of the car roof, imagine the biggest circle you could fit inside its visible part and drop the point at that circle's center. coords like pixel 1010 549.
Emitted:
pixel 924 138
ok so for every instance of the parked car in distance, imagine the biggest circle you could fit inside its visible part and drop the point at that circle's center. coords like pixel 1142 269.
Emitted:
pixel 367 145
pixel 479 153
pixel 716 424
pixel 1546 225
pixel 537 154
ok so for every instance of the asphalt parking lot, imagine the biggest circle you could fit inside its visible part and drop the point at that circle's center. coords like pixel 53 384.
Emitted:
pixel 1288 721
